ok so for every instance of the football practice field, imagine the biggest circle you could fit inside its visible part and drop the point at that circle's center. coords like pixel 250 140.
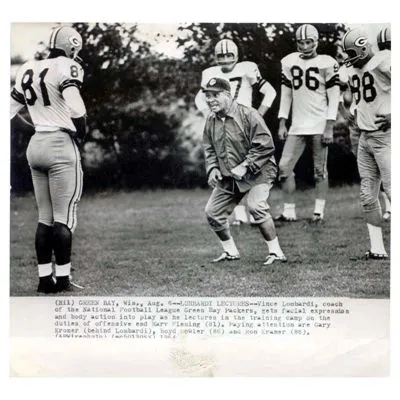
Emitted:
pixel 157 243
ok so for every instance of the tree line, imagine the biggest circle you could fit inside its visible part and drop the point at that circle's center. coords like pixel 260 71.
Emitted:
pixel 143 129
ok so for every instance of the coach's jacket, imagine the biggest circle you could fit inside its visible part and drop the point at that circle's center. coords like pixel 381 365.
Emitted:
pixel 241 136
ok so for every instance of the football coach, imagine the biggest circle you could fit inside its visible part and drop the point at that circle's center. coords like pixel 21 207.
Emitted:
pixel 239 156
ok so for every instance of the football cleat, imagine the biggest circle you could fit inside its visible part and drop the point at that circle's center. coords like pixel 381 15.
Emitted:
pixel 355 44
pixel 272 257
pixel 66 39
pixel 369 255
pixel 225 256
pixel 284 218
pixel 226 54
pixel 65 284
pixel 47 284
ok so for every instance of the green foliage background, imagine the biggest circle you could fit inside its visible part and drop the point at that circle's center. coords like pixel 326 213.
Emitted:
pixel 143 127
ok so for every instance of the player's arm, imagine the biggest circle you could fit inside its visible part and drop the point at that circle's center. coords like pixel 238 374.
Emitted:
pixel 262 85
pixel 201 104
pixel 200 99
pixel 74 100
pixel 285 102
pixel 17 104
pixel 72 78
pixel 384 121
pixel 269 94
pixel 332 84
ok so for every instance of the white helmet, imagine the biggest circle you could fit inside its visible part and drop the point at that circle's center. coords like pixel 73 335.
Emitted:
pixel 66 39
pixel 224 48
pixel 307 32
pixel 356 45
pixel 384 39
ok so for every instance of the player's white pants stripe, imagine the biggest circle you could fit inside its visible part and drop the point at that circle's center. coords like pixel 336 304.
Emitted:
pixel 73 203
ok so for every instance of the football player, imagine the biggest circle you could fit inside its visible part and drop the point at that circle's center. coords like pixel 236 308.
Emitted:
pixel 384 41
pixel 310 87
pixel 50 89
pixel 370 82
pixel 244 77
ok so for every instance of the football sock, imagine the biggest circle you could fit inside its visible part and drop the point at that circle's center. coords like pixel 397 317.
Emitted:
pixel 319 207
pixel 289 210
pixel 45 269
pixel 63 270
pixel 229 246
pixel 376 239
pixel 274 247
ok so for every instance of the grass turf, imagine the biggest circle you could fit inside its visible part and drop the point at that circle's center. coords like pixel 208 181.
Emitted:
pixel 157 243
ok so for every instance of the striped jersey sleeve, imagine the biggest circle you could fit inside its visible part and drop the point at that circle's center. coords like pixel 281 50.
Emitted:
pixel 71 74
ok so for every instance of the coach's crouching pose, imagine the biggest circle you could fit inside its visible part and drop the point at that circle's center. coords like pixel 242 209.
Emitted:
pixel 239 154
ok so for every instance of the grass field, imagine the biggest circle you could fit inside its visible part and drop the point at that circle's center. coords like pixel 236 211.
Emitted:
pixel 157 243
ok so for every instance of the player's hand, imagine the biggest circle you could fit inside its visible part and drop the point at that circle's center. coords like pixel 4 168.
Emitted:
pixel 214 177
pixel 239 172
pixel 384 121
pixel 282 132
pixel 327 136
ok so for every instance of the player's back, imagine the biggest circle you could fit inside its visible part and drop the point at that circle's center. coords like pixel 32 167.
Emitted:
pixel 41 83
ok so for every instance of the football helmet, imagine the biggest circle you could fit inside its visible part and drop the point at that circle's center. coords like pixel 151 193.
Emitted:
pixel 356 45
pixel 226 54
pixel 307 39
pixel 384 39
pixel 66 39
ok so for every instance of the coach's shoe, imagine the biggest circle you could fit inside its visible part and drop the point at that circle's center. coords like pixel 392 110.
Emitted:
pixel 369 255
pixel 65 284
pixel 284 218
pixel 47 285
pixel 225 256
pixel 272 257
pixel 386 216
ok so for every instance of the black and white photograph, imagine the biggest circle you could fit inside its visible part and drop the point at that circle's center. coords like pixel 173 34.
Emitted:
pixel 200 184
pixel 199 159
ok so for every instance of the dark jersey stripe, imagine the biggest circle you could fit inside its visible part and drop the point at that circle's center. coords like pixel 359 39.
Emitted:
pixel 70 82
pixel 333 81
pixel 17 96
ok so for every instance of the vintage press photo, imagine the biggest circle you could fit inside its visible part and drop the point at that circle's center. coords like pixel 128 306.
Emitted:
pixel 179 189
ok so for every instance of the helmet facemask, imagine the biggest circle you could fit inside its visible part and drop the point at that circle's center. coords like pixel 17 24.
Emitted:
pixel 356 46
pixel 307 40
pixel 226 54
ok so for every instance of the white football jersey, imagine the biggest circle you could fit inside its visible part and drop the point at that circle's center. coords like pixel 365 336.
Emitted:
pixel 39 85
pixel 371 89
pixel 242 78
pixel 308 81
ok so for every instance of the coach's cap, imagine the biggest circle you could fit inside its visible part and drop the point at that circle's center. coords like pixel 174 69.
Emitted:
pixel 216 85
